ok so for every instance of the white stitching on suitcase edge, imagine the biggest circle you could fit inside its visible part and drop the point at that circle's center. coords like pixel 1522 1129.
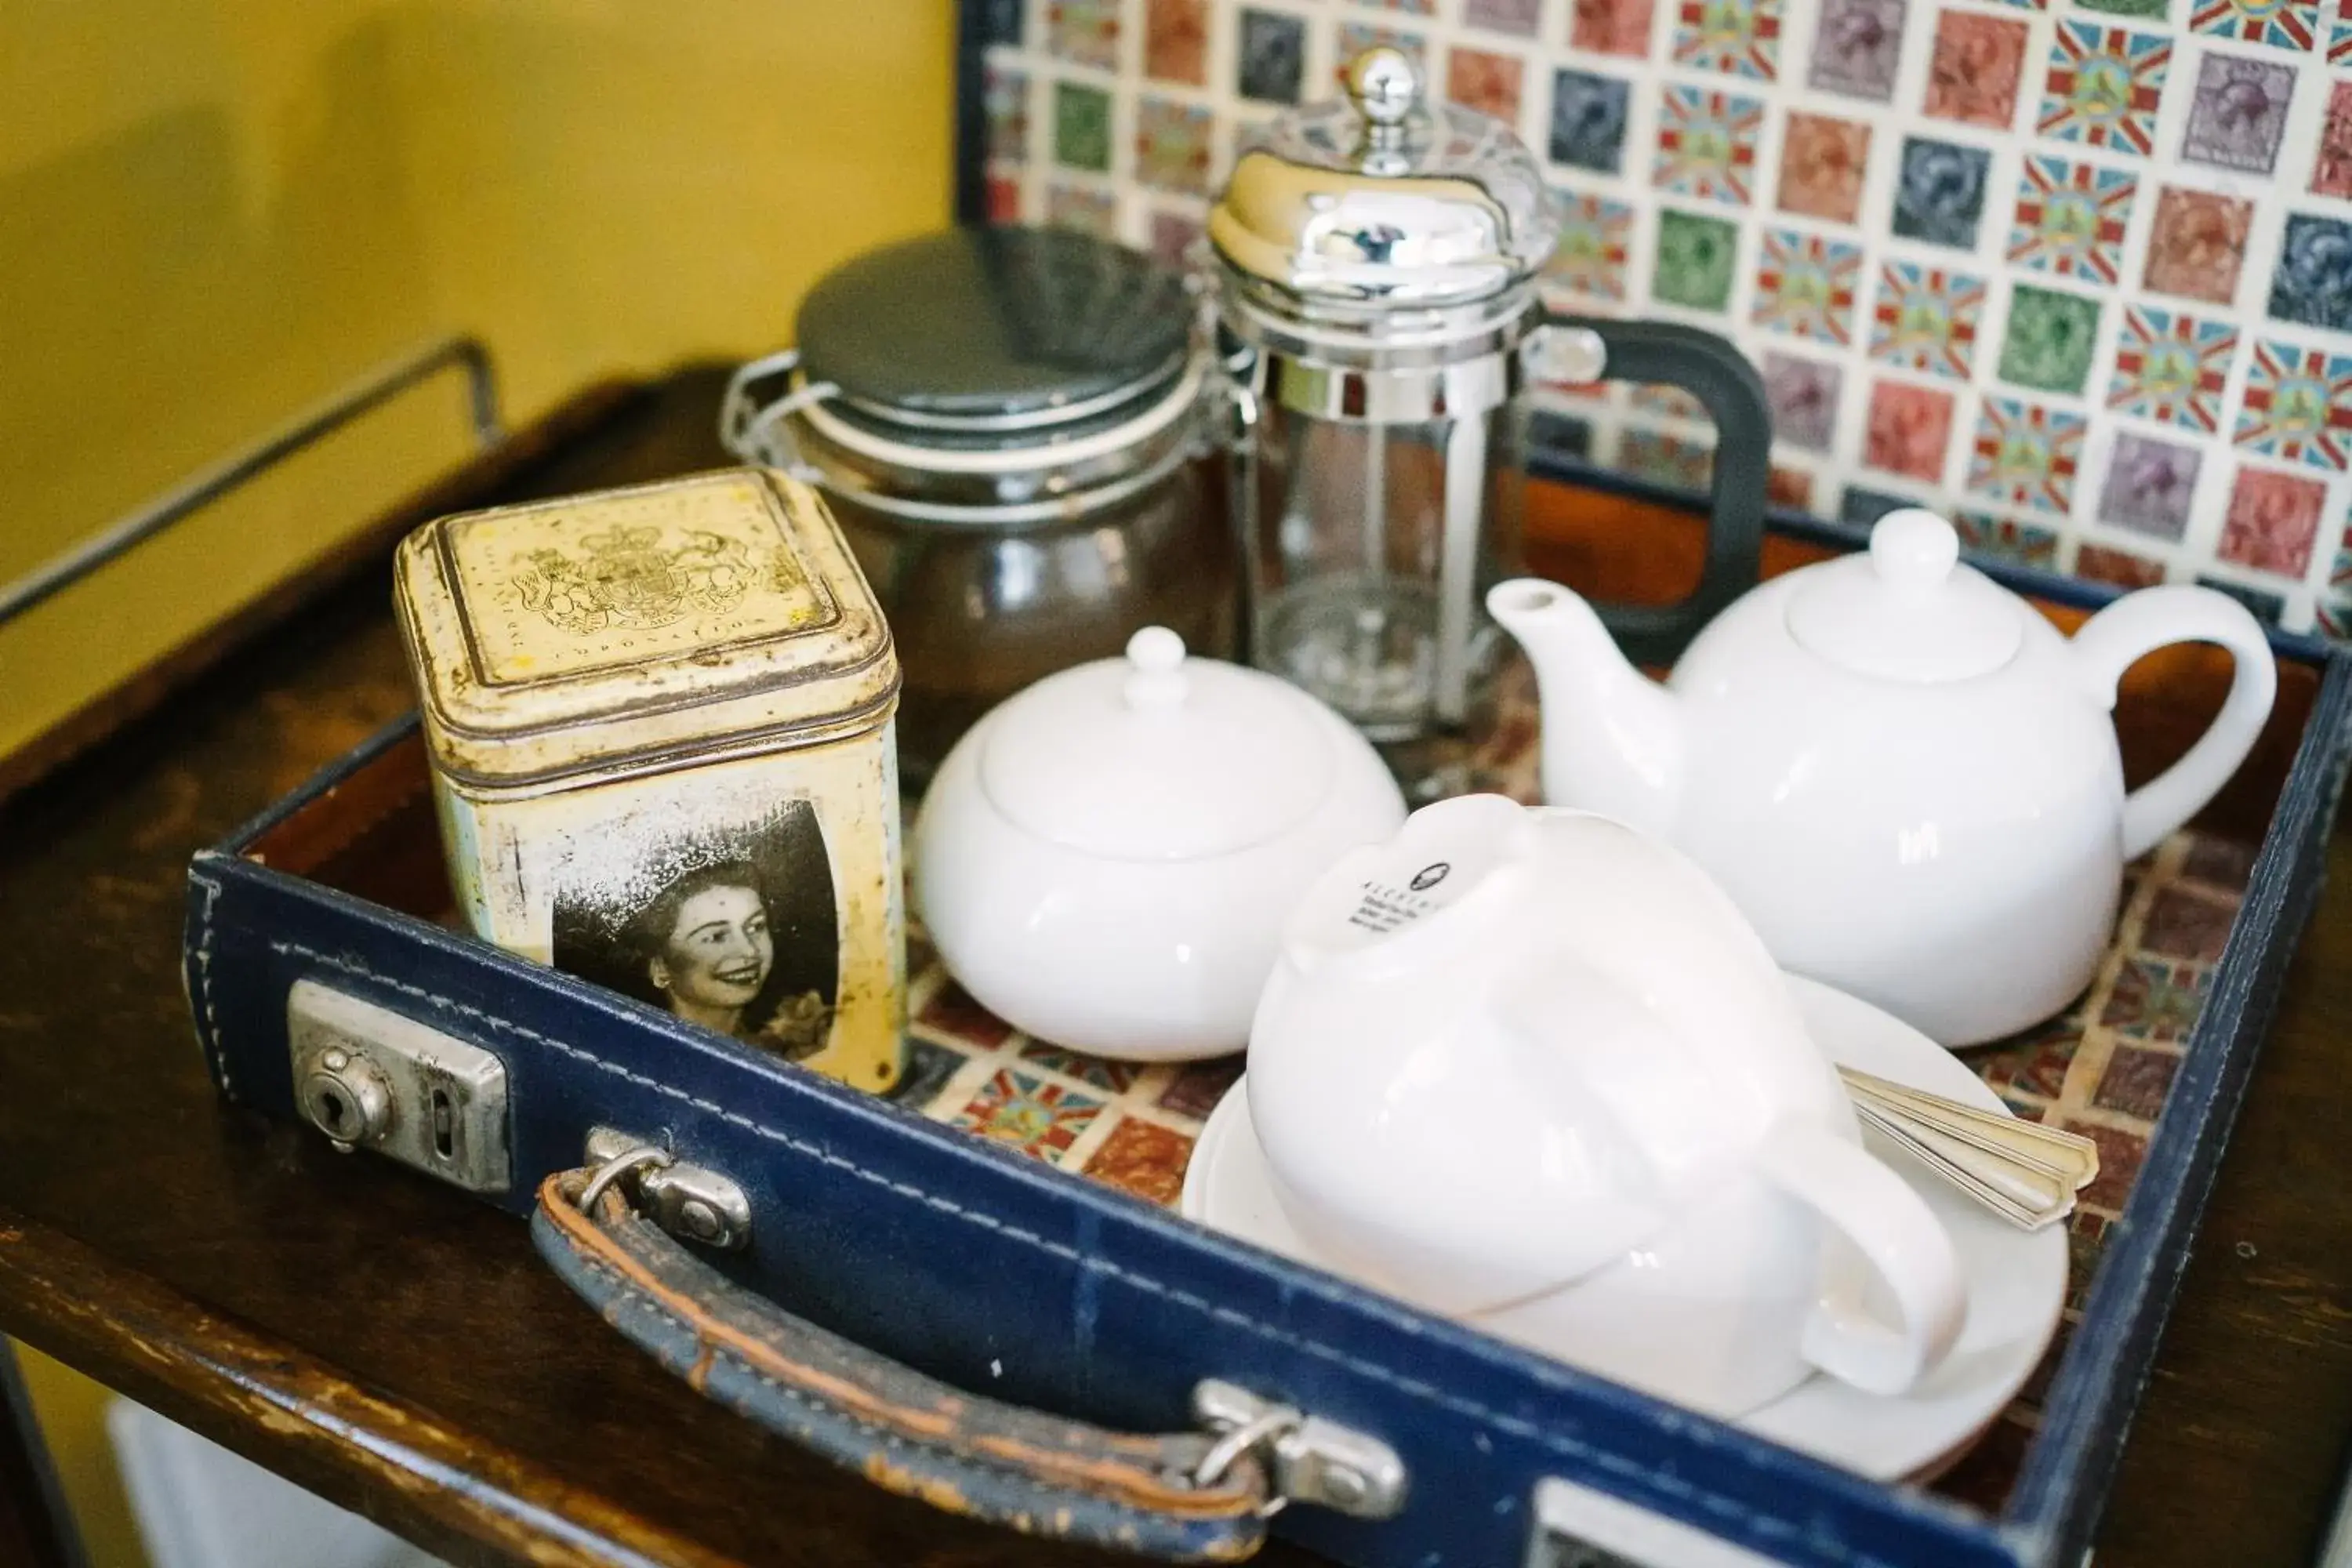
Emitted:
pixel 208 1023
pixel 1725 1508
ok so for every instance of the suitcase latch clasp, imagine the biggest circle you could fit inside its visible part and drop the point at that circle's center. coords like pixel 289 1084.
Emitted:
pixel 690 1202
pixel 1313 1460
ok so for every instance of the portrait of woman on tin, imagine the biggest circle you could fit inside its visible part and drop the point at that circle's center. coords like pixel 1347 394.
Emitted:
pixel 706 949
pixel 739 941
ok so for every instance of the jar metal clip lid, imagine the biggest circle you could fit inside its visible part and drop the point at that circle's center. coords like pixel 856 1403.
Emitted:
pixel 982 376
pixel 1167 434
pixel 756 432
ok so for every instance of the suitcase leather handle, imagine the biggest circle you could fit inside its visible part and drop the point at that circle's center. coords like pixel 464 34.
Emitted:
pixel 906 1432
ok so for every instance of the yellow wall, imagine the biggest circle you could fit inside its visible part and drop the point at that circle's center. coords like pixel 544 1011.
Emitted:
pixel 215 213
pixel 673 188
pixel 72 1412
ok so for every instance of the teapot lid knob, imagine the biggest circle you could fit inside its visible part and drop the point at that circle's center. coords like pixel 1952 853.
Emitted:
pixel 1155 658
pixel 1914 547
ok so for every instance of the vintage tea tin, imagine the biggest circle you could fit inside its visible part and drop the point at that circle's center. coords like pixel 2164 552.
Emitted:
pixel 660 721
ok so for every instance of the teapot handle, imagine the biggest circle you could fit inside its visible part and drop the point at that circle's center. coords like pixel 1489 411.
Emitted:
pixel 1711 370
pixel 2141 623
pixel 1906 1245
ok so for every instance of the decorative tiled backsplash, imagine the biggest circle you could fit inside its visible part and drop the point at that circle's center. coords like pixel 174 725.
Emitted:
pixel 2078 275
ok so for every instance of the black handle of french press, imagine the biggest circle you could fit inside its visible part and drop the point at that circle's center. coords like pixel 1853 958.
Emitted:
pixel 1711 370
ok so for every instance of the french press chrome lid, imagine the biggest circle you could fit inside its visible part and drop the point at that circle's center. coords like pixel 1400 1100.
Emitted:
pixel 1384 201
pixel 1382 233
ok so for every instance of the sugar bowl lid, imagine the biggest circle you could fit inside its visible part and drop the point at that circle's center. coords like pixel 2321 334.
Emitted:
pixel 1158 756
pixel 1385 197
pixel 981 333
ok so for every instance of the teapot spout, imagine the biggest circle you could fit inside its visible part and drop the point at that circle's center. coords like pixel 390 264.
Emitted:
pixel 1612 738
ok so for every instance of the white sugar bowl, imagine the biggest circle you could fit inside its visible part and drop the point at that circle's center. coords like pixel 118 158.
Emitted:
pixel 1105 860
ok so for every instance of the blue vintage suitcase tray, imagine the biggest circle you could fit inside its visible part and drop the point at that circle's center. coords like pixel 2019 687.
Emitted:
pixel 1004 1225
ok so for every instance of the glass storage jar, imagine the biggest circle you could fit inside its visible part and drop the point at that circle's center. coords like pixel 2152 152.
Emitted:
pixel 1006 422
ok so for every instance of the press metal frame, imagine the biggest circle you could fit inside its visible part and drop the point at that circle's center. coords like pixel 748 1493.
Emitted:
pixel 1459 365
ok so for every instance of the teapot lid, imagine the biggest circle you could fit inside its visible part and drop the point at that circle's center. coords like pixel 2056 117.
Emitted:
pixel 1386 197
pixel 1157 756
pixel 1907 610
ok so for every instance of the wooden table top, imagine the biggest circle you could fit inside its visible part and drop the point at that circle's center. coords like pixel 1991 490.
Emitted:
pixel 398 1348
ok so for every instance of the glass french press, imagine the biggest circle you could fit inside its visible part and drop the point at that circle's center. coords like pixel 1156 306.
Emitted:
pixel 1375 266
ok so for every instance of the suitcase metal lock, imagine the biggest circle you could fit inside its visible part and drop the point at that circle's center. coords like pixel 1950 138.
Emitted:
pixel 371 1079
pixel 346 1098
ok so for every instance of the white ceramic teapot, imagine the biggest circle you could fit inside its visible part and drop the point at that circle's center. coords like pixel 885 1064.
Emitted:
pixel 1903 775
pixel 1105 858
pixel 1518 1057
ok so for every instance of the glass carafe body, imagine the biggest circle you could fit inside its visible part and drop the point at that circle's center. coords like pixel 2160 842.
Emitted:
pixel 1370 546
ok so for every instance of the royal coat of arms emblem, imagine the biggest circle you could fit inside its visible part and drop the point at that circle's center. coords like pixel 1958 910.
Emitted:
pixel 633 577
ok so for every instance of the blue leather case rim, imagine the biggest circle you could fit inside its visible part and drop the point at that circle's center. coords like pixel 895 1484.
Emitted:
pixel 1098 1306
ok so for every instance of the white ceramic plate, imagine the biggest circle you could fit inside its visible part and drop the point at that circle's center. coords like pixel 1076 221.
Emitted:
pixel 2017 1281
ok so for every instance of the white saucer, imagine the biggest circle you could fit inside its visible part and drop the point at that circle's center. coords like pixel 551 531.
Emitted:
pixel 2017 1281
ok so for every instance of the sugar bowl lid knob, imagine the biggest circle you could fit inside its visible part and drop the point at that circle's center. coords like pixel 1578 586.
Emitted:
pixel 1155 662
pixel 1383 85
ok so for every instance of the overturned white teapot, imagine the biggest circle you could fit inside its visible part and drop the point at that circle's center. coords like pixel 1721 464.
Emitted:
pixel 1530 1067
pixel 1903 775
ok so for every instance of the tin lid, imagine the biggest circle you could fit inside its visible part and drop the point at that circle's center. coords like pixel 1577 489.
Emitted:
pixel 1386 198
pixel 708 615
pixel 996 336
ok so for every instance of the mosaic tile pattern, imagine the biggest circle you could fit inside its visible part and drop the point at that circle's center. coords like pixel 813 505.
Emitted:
pixel 2087 225
pixel 1131 1126
pixel 2102 1069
